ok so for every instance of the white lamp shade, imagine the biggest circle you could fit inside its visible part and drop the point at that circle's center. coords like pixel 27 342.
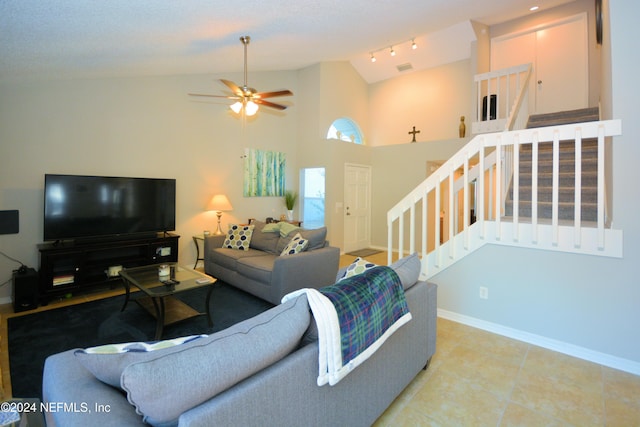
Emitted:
pixel 236 107
pixel 251 108
pixel 219 203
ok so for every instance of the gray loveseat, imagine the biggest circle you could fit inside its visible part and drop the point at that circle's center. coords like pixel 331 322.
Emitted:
pixel 260 372
pixel 264 272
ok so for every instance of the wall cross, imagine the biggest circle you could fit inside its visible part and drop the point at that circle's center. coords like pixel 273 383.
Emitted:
pixel 413 132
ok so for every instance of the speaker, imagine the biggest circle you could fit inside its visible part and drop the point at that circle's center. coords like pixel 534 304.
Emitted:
pixel 9 222
pixel 25 290
pixel 492 108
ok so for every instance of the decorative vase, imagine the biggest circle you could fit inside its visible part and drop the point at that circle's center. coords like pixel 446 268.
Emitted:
pixel 290 214
pixel 462 129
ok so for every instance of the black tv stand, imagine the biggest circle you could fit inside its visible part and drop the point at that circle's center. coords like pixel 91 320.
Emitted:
pixel 71 266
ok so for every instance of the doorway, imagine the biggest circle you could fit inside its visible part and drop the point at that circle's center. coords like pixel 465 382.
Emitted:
pixel 313 197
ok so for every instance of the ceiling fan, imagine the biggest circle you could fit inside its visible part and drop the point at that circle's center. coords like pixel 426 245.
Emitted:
pixel 247 98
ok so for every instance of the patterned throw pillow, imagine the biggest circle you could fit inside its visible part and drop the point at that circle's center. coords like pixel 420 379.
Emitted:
pixel 358 266
pixel 238 237
pixel 296 245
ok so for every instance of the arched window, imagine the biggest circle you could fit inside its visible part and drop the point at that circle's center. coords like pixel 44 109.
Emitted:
pixel 345 129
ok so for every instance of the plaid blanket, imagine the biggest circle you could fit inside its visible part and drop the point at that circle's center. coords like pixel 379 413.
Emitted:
pixel 354 318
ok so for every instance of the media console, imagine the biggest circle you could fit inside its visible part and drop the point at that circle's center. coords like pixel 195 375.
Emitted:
pixel 67 267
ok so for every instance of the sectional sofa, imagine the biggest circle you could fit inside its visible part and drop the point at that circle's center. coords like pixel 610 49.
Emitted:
pixel 260 372
pixel 262 269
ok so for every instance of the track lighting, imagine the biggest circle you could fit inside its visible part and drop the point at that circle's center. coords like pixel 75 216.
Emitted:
pixel 392 51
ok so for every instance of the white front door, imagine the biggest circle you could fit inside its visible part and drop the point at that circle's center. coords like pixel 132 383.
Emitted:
pixel 357 207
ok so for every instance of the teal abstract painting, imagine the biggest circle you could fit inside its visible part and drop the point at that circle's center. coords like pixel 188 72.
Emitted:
pixel 263 173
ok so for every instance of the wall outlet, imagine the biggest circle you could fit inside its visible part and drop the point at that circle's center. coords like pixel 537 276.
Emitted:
pixel 484 292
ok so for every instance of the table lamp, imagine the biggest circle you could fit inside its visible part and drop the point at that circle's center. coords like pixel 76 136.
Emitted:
pixel 219 203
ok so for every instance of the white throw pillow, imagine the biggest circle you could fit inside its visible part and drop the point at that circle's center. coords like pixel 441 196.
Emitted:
pixel 358 266
pixel 295 246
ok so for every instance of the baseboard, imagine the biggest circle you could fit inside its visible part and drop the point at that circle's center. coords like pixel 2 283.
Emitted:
pixel 548 343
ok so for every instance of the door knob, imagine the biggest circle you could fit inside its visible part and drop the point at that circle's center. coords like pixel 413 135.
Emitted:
pixel 539 82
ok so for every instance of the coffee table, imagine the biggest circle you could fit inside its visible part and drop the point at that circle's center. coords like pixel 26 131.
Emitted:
pixel 158 296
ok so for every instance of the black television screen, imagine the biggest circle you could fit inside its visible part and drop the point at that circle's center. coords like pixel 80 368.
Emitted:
pixel 77 207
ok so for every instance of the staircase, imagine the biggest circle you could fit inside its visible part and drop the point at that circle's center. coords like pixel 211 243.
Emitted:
pixel 541 173
pixel 567 172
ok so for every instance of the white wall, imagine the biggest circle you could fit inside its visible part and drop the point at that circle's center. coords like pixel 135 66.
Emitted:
pixel 432 100
pixel 143 127
pixel 330 91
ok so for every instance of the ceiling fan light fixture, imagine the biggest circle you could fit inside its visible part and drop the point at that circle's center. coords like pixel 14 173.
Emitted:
pixel 246 95
pixel 251 108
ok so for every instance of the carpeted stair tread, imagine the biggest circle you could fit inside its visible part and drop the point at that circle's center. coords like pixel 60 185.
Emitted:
pixel 564 117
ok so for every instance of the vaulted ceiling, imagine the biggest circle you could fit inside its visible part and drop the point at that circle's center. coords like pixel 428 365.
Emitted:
pixel 79 38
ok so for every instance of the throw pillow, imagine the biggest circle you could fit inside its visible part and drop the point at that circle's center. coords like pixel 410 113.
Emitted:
pixel 358 266
pixel 286 228
pixel 296 245
pixel 238 237
pixel 273 227
pixel 316 237
pixel 106 362
pixel 264 241
pixel 408 269
pixel 165 387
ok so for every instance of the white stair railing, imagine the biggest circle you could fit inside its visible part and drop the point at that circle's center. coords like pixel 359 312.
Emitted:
pixel 501 99
pixel 445 197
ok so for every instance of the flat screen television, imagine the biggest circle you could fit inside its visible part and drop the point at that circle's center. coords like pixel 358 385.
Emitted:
pixel 78 207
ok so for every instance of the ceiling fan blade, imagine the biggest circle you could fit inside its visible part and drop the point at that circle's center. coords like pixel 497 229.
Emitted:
pixel 273 94
pixel 234 87
pixel 269 104
pixel 214 96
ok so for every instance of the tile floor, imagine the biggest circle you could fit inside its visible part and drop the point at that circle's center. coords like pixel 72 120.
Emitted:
pixel 477 378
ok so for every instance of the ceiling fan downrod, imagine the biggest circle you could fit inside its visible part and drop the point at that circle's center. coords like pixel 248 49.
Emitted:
pixel 245 41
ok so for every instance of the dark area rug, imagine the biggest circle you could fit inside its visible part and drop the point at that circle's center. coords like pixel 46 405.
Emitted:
pixel 34 337
pixel 364 252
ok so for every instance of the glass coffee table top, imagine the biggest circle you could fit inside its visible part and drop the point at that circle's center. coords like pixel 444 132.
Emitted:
pixel 159 292
pixel 146 279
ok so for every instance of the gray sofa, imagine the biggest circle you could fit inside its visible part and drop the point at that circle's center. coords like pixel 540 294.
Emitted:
pixel 260 372
pixel 262 270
